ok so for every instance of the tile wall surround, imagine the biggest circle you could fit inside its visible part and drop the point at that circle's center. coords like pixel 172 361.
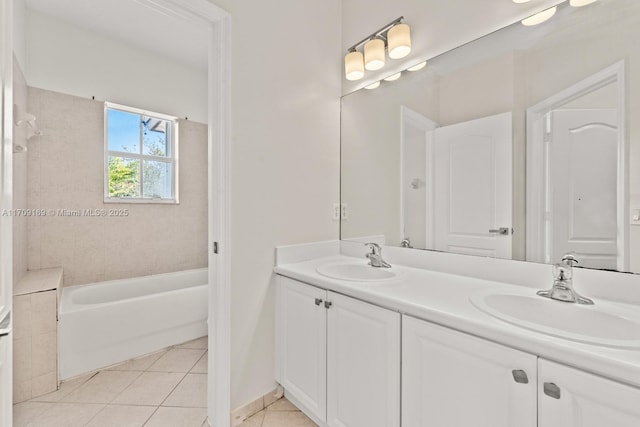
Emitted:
pixel 35 350
pixel 66 171
pixel 608 285
pixel 19 175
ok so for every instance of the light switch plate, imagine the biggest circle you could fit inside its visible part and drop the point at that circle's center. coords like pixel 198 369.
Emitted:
pixel 336 212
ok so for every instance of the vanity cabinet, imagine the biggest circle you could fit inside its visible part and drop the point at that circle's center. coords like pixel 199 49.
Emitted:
pixel 568 397
pixel 454 379
pixel 338 357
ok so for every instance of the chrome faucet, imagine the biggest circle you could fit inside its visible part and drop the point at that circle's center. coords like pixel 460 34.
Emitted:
pixel 375 256
pixel 406 243
pixel 562 289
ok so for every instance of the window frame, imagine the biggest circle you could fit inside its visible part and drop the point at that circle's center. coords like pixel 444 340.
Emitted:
pixel 173 145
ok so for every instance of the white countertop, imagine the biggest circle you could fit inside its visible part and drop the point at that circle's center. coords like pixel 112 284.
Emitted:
pixel 444 299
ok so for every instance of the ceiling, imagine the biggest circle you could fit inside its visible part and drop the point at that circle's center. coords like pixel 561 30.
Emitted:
pixel 135 22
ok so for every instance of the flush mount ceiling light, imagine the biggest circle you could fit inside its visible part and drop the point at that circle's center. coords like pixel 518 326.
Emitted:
pixel 418 67
pixel 580 3
pixel 395 37
pixel 354 65
pixel 540 17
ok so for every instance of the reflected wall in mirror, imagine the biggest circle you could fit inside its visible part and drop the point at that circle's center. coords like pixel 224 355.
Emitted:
pixel 522 144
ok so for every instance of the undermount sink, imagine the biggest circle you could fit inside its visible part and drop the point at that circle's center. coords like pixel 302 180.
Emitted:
pixel 356 272
pixel 605 323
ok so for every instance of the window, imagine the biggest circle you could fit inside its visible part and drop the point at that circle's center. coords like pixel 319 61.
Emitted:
pixel 140 156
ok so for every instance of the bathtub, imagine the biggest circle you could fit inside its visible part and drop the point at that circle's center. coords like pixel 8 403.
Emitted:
pixel 104 323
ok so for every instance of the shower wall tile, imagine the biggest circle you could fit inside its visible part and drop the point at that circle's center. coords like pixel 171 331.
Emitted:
pixel 66 171
pixel 20 177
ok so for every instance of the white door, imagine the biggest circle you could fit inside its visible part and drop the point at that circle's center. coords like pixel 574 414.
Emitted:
pixel 568 397
pixel 451 379
pixel 583 201
pixel 473 187
pixel 301 329
pixel 416 192
pixel 363 364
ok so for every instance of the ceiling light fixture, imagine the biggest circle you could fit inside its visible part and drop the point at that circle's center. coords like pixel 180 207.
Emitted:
pixel 521 1
pixel 540 17
pixel 373 85
pixel 580 3
pixel 395 36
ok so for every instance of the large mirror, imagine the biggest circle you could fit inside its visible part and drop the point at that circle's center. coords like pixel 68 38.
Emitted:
pixel 522 144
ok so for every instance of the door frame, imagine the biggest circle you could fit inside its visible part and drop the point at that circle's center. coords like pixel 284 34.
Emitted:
pixel 6 202
pixel 537 198
pixel 218 22
pixel 407 115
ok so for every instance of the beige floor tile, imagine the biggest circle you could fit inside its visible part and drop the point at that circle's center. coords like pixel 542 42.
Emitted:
pixel 67 415
pixel 140 363
pixel 177 417
pixel 122 416
pixel 150 388
pixel 24 413
pixel 282 405
pixel 191 392
pixel 254 421
pixel 177 360
pixel 202 367
pixel 65 388
pixel 286 419
pixel 103 387
pixel 200 344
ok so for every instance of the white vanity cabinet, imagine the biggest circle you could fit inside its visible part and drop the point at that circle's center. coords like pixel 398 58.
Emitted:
pixel 568 397
pixel 452 379
pixel 338 357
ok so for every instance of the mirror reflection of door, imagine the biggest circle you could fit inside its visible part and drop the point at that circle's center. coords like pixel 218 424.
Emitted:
pixel 473 187
pixel 582 170
pixel 416 193
pixel 576 174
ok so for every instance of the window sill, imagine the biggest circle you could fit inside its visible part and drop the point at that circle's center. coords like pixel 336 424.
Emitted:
pixel 141 201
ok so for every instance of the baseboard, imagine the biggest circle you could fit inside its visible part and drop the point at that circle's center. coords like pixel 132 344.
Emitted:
pixel 240 414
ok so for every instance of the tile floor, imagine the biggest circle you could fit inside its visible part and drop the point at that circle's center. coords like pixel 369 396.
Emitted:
pixel 280 413
pixel 167 388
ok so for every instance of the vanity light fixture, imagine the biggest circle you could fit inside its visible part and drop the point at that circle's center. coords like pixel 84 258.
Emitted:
pixel 580 3
pixel 399 41
pixel 540 17
pixel 393 77
pixel 373 85
pixel 395 37
pixel 418 66
pixel 521 1
pixel 354 65
pixel 374 55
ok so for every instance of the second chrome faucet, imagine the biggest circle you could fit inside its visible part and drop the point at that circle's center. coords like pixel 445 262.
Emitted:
pixel 562 289
pixel 375 256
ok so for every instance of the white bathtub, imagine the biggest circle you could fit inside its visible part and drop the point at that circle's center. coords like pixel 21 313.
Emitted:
pixel 101 324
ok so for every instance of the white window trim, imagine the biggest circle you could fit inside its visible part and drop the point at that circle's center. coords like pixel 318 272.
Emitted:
pixel 174 150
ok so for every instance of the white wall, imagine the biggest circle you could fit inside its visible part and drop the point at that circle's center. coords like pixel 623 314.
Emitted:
pixel 19 43
pixel 285 171
pixel 19 176
pixel 436 26
pixel 67 59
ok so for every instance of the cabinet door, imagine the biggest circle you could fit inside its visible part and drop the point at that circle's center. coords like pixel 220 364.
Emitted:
pixel 568 397
pixel 451 379
pixel 363 364
pixel 301 328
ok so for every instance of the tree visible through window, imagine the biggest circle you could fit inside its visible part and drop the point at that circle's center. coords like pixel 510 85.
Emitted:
pixel 140 154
